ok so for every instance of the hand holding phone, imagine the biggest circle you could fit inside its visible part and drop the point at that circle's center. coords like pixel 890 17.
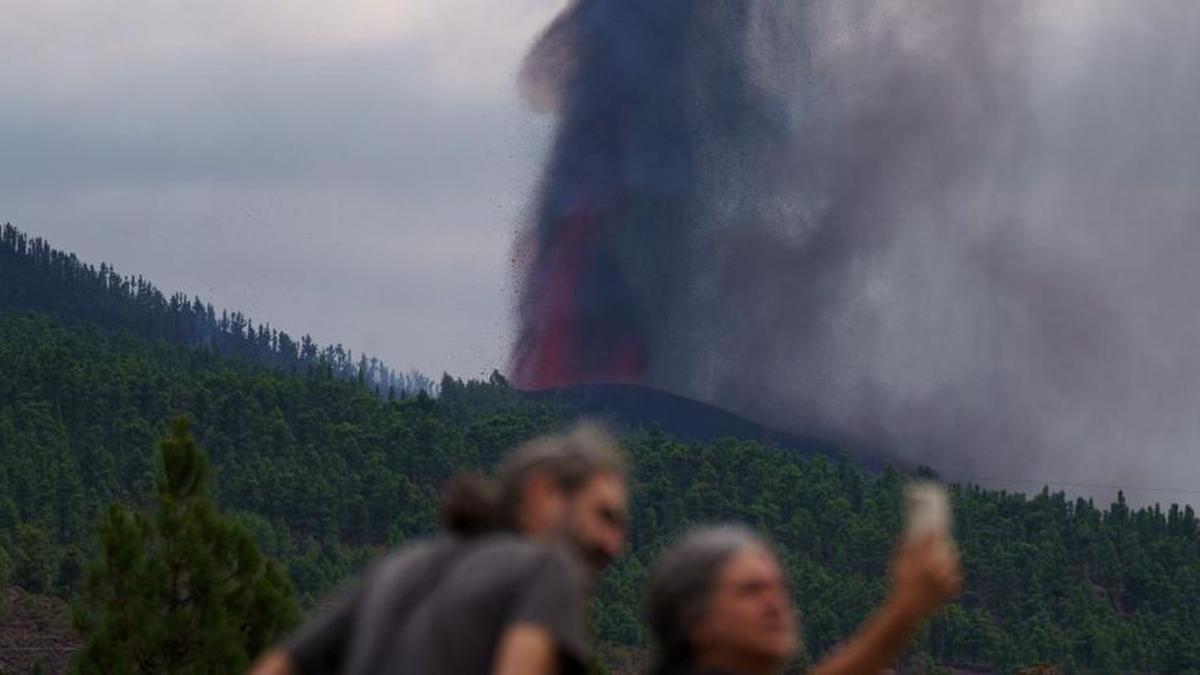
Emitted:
pixel 927 571
pixel 926 511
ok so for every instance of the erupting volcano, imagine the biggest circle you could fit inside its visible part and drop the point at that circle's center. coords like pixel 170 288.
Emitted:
pixel 961 231
pixel 616 176
pixel 579 328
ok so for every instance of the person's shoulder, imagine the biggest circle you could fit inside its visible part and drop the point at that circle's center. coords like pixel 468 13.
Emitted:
pixel 507 545
pixel 524 553
pixel 414 553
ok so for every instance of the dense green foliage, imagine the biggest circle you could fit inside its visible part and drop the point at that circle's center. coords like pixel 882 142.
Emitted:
pixel 181 589
pixel 318 467
pixel 324 474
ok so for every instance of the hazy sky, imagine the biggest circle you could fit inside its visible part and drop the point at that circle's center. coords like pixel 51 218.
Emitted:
pixel 357 170
pixel 354 170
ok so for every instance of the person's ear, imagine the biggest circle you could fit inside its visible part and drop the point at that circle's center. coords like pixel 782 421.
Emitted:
pixel 541 502
pixel 541 485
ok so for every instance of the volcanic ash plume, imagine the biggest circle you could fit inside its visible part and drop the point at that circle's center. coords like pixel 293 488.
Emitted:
pixel 616 191
pixel 964 232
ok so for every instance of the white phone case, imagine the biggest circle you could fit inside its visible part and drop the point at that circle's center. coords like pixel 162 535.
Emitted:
pixel 926 510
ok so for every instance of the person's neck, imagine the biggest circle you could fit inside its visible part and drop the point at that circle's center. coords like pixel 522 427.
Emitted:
pixel 736 664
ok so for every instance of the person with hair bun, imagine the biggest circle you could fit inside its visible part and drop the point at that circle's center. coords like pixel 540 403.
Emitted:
pixel 502 590
pixel 719 603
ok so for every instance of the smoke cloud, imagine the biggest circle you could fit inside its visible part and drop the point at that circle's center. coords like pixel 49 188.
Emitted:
pixel 964 233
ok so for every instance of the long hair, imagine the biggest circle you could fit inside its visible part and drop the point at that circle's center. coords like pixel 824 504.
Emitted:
pixel 681 584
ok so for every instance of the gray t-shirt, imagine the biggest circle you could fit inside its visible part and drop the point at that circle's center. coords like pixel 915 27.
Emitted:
pixel 439 608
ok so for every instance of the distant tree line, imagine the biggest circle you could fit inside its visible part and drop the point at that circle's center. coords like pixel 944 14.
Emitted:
pixel 36 277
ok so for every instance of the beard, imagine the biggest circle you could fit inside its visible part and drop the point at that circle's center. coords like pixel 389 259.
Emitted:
pixel 594 557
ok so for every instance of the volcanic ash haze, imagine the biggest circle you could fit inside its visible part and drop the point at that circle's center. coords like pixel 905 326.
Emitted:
pixel 964 232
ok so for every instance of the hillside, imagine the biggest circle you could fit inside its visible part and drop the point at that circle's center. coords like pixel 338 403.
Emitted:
pixel 326 473
pixel 35 276
pixel 636 406
pixel 35 630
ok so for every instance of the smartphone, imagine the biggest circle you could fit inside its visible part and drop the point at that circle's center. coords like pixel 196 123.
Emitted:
pixel 926 511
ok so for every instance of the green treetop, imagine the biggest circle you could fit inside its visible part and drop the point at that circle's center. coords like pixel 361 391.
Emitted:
pixel 181 589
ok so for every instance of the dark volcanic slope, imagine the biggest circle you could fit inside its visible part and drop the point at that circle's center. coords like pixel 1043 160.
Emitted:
pixel 637 406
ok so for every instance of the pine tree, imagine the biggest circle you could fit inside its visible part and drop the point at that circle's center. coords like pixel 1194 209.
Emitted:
pixel 182 589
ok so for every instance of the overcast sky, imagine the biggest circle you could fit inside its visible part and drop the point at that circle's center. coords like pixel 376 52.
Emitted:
pixel 354 170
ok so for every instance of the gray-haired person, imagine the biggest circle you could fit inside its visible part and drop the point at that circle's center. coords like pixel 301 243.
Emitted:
pixel 720 603
pixel 503 591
